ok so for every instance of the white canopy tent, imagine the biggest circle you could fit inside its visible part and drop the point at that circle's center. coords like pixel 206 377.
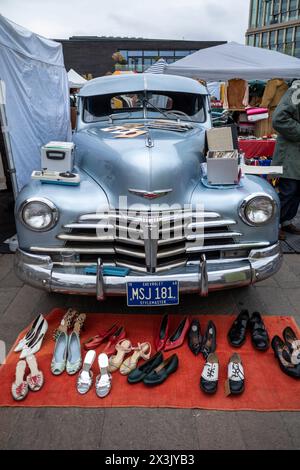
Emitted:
pixel 75 80
pixel 34 97
pixel 233 60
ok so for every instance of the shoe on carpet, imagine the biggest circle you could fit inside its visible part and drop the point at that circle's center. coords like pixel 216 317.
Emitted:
pixel 210 375
pixel 209 343
pixel 237 333
pixel 59 359
pixel 104 379
pixel 142 351
pixel 123 347
pixel 30 333
pixel 138 374
pixel 162 372
pixel 35 379
pixel 85 377
pixel 236 376
pixel 113 340
pixel 162 334
pixel 19 388
pixel 95 341
pixel 259 334
pixel 293 343
pixel 195 337
pixel 177 338
pixel 35 343
pixel 283 355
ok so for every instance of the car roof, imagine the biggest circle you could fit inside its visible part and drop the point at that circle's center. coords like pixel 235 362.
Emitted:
pixel 127 83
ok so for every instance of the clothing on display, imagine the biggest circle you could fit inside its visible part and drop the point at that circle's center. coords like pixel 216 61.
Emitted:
pixel 236 94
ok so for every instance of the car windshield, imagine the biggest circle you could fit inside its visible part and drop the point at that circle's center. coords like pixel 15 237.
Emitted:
pixel 144 105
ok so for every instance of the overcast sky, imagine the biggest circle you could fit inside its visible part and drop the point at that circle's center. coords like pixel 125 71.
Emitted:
pixel 173 19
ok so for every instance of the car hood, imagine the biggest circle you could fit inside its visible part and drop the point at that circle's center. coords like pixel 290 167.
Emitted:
pixel 161 161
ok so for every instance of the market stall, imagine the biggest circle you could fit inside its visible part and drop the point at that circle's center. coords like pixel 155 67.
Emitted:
pixel 244 86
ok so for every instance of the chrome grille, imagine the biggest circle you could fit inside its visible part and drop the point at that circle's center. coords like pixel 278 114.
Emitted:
pixel 157 242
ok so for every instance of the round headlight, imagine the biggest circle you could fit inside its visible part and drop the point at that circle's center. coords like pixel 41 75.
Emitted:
pixel 258 210
pixel 39 214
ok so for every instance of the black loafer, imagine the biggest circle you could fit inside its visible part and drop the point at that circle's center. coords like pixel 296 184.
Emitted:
pixel 209 343
pixel 283 355
pixel 237 333
pixel 138 374
pixel 195 337
pixel 162 372
pixel 210 375
pixel 259 335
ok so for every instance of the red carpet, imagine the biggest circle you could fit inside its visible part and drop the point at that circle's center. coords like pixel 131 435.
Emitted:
pixel 267 388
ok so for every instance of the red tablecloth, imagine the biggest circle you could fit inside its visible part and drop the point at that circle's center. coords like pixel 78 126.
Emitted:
pixel 257 148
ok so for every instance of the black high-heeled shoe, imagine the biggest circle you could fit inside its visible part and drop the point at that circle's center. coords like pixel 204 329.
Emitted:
pixel 195 337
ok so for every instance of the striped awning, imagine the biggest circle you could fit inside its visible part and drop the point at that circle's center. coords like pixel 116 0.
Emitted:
pixel 158 67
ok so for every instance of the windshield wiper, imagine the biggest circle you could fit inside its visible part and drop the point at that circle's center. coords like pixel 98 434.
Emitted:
pixel 146 101
pixel 112 116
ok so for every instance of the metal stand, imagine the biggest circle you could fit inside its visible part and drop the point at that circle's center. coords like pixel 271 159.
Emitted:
pixel 7 144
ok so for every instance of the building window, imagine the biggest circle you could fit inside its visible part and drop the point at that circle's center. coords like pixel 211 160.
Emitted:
pixel 151 54
pixel 135 53
pixel 293 9
pixel 253 14
pixel 297 49
pixel 280 40
pixel 251 40
pixel 181 53
pixel 273 40
pixel 260 12
pixel 265 40
pixel 257 40
pixel 268 5
pixel 276 10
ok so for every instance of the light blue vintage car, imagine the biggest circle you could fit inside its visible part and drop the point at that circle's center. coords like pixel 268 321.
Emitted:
pixel 142 223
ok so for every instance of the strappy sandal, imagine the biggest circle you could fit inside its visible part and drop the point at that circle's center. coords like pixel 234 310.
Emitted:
pixel 143 351
pixel 19 388
pixel 66 323
pixel 35 379
pixel 85 377
pixel 123 347
pixel 104 379
pixel 293 343
pixel 79 323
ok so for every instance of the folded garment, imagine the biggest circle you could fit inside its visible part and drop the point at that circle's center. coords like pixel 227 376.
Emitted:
pixel 253 111
pixel 258 117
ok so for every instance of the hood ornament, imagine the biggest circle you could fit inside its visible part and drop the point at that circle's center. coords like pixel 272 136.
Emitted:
pixel 150 194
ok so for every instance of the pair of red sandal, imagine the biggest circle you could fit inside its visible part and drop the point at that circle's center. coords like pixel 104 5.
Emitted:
pixel 113 335
pixel 164 342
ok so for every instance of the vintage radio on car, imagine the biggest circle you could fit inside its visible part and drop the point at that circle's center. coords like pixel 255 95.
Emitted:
pixel 58 156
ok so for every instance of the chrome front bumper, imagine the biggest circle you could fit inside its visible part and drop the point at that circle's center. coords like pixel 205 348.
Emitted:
pixel 202 278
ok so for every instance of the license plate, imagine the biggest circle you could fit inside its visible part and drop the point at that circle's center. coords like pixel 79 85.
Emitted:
pixel 152 294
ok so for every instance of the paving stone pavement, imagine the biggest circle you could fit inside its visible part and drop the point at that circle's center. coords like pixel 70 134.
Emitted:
pixel 158 429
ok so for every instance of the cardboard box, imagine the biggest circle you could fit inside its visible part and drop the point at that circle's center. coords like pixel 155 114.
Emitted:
pixel 223 156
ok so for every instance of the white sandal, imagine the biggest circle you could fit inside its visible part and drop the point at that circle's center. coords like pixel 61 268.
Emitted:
pixel 19 388
pixel 35 379
pixel 103 381
pixel 85 377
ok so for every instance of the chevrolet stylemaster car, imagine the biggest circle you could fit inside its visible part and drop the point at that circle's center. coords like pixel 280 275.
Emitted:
pixel 143 223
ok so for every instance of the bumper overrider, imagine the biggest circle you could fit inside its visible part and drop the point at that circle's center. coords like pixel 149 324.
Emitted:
pixel 207 276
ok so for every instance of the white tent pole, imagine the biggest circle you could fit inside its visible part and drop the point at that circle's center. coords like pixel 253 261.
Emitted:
pixel 6 137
